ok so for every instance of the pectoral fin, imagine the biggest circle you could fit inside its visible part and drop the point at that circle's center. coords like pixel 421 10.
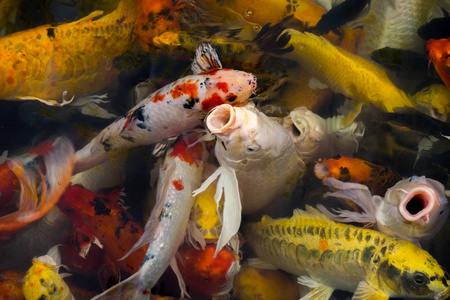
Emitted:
pixel 366 292
pixel 351 116
pixel 319 292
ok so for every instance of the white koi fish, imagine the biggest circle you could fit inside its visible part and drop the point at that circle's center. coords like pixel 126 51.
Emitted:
pixel 165 230
pixel 173 109
pixel 258 164
pixel 414 209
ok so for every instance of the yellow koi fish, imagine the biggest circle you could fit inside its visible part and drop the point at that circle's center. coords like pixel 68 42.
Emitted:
pixel 43 280
pixel 363 80
pixel 327 255
pixel 52 63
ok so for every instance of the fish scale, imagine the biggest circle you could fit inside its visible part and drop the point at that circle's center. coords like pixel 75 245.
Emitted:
pixel 336 255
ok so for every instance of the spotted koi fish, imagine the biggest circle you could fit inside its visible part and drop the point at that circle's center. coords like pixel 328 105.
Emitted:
pixel 165 230
pixel 52 63
pixel 173 109
pixel 100 216
pixel 330 256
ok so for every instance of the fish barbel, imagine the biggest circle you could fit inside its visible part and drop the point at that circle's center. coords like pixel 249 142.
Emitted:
pixel 173 109
pixel 48 63
pixel 329 255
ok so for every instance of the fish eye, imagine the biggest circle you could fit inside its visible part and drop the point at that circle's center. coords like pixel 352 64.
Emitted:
pixel 419 278
pixel 253 148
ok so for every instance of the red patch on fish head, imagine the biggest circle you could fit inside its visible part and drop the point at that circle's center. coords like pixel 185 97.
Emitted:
pixel 223 86
pixel 213 101
pixel 186 88
pixel 158 97
pixel 178 184
pixel 187 154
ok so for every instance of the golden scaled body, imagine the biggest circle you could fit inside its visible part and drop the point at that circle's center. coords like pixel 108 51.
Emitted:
pixel 345 257
pixel 74 58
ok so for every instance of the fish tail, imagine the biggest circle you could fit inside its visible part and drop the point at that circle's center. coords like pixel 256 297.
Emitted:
pixel 58 162
pixel 273 39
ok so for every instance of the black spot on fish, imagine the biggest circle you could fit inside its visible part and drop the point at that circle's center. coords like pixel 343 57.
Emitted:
pixel 368 237
pixel 322 233
pixel 347 233
pixel 383 250
pixel 190 102
pixel 288 230
pixel 301 252
pixel 100 207
pixel 151 17
pixel 52 289
pixel 336 233
pixel 367 254
pixel 164 12
pixel 42 297
pixel 310 230
pixel 277 230
pixel 360 236
pixel 376 241
pixel 107 145
pixel 344 174
pixel 134 229
pixel 128 138
pixel 69 210
pixel 231 98
pixel 42 281
pixel 51 33
pixel 120 21
pixel 316 231
pixel 356 254
pixel 124 217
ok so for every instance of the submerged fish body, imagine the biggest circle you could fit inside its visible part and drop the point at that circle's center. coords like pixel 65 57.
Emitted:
pixel 329 255
pixel 439 53
pixel 414 209
pixel 53 63
pixel 171 110
pixel 165 230
pixel 349 169
pixel 43 281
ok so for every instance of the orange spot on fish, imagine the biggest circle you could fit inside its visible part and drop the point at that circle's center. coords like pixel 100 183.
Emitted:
pixel 212 102
pixel 158 97
pixel 186 88
pixel 10 80
pixel 223 86
pixel 323 245
pixel 180 150
pixel 178 184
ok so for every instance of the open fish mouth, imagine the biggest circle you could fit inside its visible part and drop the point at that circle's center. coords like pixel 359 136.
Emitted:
pixel 221 119
pixel 418 204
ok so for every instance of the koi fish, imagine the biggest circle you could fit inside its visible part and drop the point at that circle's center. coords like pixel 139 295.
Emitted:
pixel 11 285
pixel 434 100
pixel 198 266
pixel 330 256
pixel 349 169
pixel 250 148
pixel 394 24
pixel 414 209
pixel 252 283
pixel 439 53
pixel 165 230
pixel 43 280
pixel 57 159
pixel 365 81
pixel 48 63
pixel 100 216
pixel 173 109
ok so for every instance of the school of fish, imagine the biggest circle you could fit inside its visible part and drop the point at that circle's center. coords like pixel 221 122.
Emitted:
pixel 221 149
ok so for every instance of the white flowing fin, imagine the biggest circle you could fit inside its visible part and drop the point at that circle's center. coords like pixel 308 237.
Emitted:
pixel 127 289
pixel 181 284
pixel 259 263
pixel 231 219
pixel 194 236
pixel 319 292
pixel 206 59
pixel 355 192
pixel 366 292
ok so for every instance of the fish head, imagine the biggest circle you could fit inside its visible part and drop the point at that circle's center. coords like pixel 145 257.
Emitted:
pixel 307 130
pixel 246 137
pixel 421 201
pixel 412 272
pixel 228 86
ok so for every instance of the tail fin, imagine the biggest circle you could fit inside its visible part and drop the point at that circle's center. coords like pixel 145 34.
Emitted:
pixel 58 162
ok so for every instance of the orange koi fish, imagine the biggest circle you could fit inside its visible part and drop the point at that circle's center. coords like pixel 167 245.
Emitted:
pixel 11 285
pixel 101 216
pixel 350 169
pixel 173 109
pixel 199 267
pixel 48 63
pixel 9 185
pixel 57 159
pixel 439 53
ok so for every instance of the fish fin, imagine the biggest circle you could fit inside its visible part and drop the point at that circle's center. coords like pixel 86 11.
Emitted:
pixel 194 237
pixel 351 116
pixel 90 106
pixel 259 263
pixel 127 289
pixel 366 292
pixel 181 284
pixel 319 292
pixel 206 59
pixel 59 161
pixel 355 192
pixel 231 219
pixel 316 84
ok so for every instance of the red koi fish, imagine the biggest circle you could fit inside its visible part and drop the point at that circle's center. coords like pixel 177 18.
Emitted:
pixel 49 165
pixel 439 53
pixel 173 109
pixel 100 216
pixel 349 169
pixel 9 185
pixel 206 276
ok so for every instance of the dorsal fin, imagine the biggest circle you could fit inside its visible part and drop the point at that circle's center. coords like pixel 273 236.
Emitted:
pixel 206 59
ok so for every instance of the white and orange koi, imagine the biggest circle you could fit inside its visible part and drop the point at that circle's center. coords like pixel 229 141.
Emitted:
pixel 165 230
pixel 414 209
pixel 173 109
pixel 43 173
pixel 258 164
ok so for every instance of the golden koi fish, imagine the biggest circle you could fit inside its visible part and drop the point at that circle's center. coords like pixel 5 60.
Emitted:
pixel 329 255
pixel 48 63
pixel 364 81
